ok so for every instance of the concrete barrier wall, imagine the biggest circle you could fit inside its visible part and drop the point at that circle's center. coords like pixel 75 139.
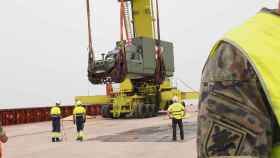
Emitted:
pixel 40 114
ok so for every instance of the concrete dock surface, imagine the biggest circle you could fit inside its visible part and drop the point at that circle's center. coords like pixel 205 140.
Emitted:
pixel 105 138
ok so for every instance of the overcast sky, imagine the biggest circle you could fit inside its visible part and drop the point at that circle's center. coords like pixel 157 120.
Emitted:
pixel 43 56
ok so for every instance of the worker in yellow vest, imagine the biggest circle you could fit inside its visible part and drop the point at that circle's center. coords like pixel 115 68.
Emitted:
pixel 56 118
pixel 239 106
pixel 176 112
pixel 3 139
pixel 79 118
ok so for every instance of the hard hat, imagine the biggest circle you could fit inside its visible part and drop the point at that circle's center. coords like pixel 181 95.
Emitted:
pixel 78 103
pixel 57 103
pixel 175 99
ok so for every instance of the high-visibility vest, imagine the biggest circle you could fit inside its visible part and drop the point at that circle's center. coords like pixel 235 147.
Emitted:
pixel 79 111
pixel 177 110
pixel 259 41
pixel 55 111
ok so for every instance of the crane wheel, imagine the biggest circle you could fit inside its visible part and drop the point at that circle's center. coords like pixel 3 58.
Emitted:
pixel 105 111
pixel 154 112
pixel 140 110
pixel 145 111
pixel 149 110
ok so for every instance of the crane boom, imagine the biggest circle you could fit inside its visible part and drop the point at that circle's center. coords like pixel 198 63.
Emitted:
pixel 143 18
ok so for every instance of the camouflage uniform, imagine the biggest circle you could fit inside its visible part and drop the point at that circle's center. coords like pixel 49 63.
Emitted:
pixel 235 118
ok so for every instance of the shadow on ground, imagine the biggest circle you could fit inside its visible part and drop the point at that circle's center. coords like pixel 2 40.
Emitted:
pixel 149 134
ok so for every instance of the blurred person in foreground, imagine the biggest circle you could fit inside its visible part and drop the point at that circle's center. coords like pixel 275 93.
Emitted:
pixel 239 106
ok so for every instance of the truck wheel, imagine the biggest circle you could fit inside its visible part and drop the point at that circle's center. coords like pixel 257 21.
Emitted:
pixel 140 111
pixel 146 111
pixel 154 112
pixel 105 111
pixel 150 110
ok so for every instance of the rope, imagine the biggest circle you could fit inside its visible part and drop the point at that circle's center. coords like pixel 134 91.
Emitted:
pixel 185 84
pixel 64 136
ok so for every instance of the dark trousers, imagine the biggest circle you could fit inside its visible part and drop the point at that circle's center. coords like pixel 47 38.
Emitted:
pixel 80 123
pixel 174 126
pixel 55 124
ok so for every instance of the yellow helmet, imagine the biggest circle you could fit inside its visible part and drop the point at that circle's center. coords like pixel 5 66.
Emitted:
pixel 175 99
pixel 78 103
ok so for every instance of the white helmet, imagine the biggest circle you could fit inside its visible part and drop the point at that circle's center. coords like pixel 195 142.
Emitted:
pixel 175 99
pixel 57 103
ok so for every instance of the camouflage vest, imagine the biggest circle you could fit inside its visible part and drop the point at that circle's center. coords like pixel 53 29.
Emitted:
pixel 259 40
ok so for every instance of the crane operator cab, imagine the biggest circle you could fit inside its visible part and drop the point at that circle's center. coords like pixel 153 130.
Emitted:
pixel 136 60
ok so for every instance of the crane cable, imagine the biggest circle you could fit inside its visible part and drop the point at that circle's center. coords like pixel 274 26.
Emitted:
pixel 90 45
pixel 122 28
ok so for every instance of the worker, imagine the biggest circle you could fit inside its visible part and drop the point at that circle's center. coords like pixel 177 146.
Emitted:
pixel 176 112
pixel 239 102
pixel 56 118
pixel 79 118
pixel 3 139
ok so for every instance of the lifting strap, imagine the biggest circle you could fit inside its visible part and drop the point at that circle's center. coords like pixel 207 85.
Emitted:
pixel 160 68
pixel 123 26
pixel 91 56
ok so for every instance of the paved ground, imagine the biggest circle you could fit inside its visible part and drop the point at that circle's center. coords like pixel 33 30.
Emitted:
pixel 106 138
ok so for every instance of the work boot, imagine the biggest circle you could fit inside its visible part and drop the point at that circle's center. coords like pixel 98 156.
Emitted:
pixel 78 138
pixel 57 139
pixel 53 140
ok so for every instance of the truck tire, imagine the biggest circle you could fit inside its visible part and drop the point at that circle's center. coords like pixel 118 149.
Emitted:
pixel 146 111
pixel 154 111
pixel 105 111
pixel 140 111
pixel 150 110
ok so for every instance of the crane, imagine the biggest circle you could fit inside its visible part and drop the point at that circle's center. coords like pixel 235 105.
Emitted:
pixel 141 62
pixel 140 54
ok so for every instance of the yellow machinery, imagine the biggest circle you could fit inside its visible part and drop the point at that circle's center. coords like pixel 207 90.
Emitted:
pixel 122 103
pixel 141 62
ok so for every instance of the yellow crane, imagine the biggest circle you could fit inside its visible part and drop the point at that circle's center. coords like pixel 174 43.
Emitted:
pixel 141 62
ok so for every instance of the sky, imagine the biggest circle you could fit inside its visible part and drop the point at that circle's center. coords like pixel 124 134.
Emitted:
pixel 43 43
